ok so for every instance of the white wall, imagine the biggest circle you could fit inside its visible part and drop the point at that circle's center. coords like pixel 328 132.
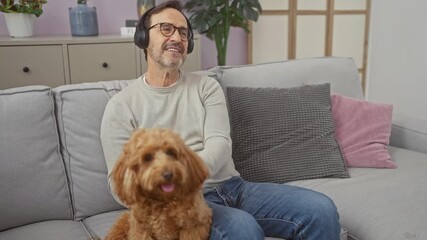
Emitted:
pixel 397 65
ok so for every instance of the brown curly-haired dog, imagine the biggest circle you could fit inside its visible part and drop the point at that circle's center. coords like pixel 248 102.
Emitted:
pixel 159 178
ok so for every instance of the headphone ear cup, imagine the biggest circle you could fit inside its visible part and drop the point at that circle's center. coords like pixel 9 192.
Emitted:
pixel 190 47
pixel 140 38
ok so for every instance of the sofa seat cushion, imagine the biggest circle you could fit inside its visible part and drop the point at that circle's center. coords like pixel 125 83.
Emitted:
pixel 343 235
pixel 381 204
pixel 33 184
pixel 80 108
pixel 100 224
pixel 48 230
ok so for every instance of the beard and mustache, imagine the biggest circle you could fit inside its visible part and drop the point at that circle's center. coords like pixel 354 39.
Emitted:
pixel 168 62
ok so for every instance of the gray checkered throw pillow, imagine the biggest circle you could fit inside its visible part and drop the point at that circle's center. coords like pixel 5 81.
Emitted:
pixel 282 135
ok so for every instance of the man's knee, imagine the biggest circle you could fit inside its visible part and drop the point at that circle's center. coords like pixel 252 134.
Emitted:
pixel 324 213
pixel 325 208
pixel 230 224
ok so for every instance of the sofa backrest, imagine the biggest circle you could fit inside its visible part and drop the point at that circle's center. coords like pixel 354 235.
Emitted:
pixel 33 186
pixel 340 72
pixel 79 111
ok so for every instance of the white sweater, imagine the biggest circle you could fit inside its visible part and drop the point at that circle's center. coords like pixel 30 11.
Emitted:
pixel 194 107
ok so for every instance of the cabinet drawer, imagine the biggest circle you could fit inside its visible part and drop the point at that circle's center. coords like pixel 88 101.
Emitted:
pixel 31 65
pixel 102 62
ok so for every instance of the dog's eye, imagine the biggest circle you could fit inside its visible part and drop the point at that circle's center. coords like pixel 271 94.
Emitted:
pixel 172 152
pixel 148 157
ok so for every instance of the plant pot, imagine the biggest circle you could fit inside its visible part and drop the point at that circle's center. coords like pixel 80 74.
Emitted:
pixel 83 21
pixel 19 24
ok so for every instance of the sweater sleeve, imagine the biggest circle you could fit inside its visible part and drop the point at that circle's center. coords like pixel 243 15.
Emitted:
pixel 217 141
pixel 116 128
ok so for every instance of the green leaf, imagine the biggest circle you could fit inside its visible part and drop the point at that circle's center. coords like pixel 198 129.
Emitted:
pixel 23 6
pixel 215 17
pixel 192 4
pixel 250 13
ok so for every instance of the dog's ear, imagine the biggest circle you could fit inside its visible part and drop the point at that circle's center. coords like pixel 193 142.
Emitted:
pixel 197 170
pixel 124 172
pixel 124 177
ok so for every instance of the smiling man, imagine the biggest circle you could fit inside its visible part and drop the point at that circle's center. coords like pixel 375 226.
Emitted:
pixel 194 106
pixel 166 50
pixel 166 47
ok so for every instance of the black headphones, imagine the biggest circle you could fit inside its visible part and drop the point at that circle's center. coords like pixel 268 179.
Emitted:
pixel 141 37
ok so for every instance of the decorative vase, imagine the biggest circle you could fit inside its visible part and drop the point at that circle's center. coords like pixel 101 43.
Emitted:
pixel 83 21
pixel 19 24
pixel 144 5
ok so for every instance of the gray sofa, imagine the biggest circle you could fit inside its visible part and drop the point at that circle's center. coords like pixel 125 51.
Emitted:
pixel 53 176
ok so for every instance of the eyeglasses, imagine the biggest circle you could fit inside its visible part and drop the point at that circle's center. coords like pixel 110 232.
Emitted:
pixel 168 29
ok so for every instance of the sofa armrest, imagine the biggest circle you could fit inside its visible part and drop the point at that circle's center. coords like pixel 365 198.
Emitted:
pixel 409 133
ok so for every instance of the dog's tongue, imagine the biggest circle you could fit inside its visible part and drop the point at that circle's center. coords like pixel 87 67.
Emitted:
pixel 168 187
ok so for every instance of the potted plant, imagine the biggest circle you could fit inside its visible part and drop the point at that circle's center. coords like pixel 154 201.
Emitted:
pixel 144 5
pixel 215 17
pixel 22 6
pixel 19 15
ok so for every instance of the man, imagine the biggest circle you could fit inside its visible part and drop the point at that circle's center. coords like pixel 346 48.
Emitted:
pixel 194 106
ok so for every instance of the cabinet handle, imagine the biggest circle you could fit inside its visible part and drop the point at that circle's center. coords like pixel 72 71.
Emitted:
pixel 25 69
pixel 105 65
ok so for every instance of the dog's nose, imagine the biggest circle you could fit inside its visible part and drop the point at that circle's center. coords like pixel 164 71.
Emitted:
pixel 167 175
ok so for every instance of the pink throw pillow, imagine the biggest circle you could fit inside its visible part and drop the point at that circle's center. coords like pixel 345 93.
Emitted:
pixel 362 130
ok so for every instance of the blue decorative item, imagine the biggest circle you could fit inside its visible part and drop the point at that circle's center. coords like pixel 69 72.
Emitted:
pixel 83 20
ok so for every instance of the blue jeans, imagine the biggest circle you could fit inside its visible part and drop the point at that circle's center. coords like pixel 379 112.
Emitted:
pixel 245 210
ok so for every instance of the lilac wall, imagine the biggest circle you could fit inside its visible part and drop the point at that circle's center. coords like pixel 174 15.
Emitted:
pixel 236 49
pixel 112 15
